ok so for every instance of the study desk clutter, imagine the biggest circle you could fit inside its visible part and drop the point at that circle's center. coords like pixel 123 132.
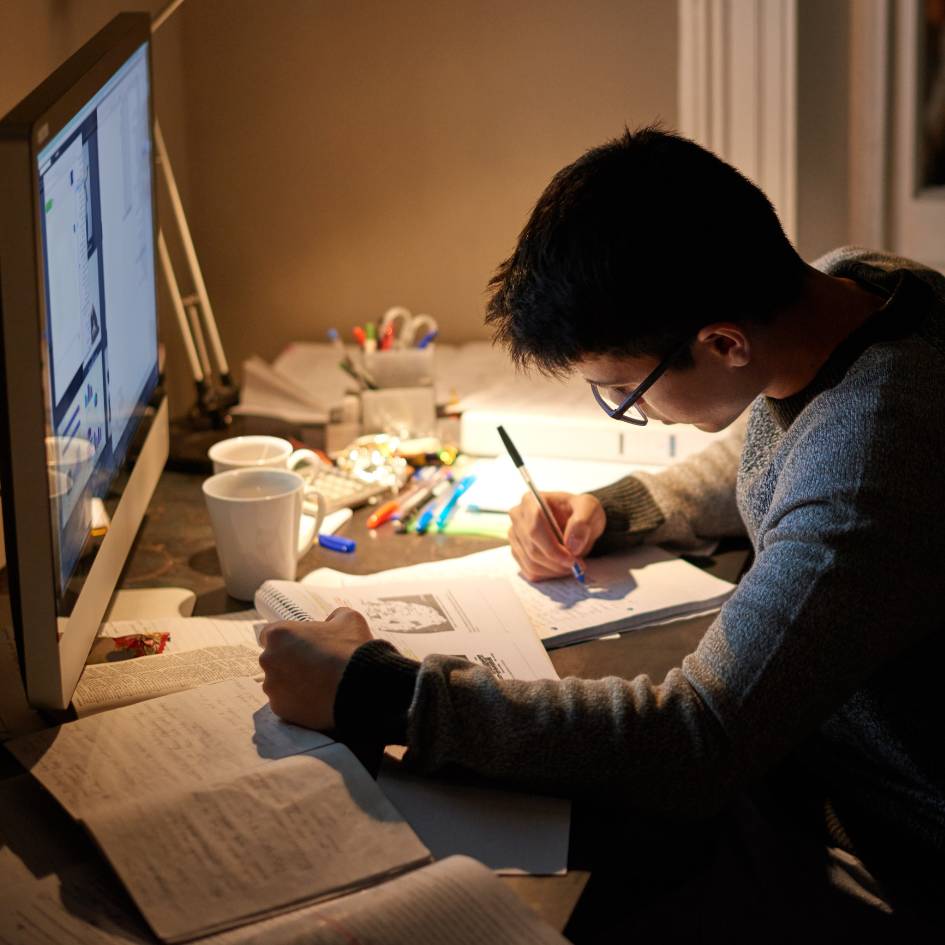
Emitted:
pixel 176 547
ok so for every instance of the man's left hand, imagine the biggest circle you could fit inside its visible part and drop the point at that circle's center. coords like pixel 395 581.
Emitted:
pixel 303 664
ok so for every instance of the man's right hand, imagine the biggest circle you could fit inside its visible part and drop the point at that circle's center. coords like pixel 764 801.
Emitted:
pixel 537 551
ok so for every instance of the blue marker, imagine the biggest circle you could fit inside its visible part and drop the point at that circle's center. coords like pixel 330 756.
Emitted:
pixel 451 502
pixel 337 543
pixel 428 338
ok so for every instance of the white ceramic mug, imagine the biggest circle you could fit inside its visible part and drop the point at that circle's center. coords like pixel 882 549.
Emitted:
pixel 259 452
pixel 259 526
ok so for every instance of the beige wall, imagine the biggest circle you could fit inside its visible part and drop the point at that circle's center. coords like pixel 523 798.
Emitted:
pixel 337 158
pixel 345 157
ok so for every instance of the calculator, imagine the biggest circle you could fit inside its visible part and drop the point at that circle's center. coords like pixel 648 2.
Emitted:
pixel 339 489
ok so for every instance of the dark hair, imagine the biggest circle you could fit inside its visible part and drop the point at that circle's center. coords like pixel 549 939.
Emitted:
pixel 633 248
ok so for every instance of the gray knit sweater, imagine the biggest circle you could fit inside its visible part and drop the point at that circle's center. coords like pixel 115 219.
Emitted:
pixel 831 648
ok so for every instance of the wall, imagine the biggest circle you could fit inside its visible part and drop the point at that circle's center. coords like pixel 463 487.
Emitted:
pixel 347 157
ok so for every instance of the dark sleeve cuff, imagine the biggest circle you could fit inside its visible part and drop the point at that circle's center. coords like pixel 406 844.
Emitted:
pixel 631 512
pixel 374 695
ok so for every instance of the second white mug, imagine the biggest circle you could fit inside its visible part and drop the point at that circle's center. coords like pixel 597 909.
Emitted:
pixel 259 452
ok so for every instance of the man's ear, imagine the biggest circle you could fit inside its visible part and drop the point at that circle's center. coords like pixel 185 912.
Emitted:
pixel 726 342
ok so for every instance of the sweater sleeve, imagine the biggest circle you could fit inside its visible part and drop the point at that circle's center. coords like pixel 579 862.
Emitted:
pixel 683 507
pixel 846 578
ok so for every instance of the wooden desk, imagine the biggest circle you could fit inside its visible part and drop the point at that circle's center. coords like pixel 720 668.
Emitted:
pixel 175 547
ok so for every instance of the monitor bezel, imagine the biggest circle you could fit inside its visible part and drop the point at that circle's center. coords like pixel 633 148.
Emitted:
pixel 50 664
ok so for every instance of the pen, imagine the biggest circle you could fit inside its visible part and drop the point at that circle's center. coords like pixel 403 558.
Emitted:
pixel 362 377
pixel 370 338
pixel 337 343
pixel 423 505
pixel 337 543
pixel 576 568
pixel 429 337
pixel 453 499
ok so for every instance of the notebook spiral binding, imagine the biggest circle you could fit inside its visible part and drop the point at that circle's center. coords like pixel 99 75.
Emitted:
pixel 284 606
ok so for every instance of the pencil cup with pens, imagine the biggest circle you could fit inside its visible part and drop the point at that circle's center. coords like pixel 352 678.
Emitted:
pixel 395 374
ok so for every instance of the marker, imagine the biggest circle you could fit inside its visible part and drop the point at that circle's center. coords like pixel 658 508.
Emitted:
pixel 359 335
pixel 387 338
pixel 453 499
pixel 382 513
pixel 576 568
pixel 428 338
pixel 337 543
pixel 425 500
pixel 370 338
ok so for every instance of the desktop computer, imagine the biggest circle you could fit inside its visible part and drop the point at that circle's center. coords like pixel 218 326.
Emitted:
pixel 83 426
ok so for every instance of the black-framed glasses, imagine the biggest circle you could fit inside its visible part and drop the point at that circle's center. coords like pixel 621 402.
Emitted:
pixel 622 410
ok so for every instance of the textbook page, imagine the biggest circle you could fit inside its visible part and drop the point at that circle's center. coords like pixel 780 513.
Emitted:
pixel 480 620
pixel 215 813
pixel 200 650
pixel 456 901
pixel 630 589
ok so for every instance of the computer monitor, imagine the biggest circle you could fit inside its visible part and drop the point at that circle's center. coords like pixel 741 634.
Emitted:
pixel 83 426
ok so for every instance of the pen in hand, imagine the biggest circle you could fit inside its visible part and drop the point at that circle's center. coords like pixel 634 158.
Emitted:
pixel 516 457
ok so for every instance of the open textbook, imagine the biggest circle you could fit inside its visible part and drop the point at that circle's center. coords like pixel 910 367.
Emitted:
pixel 214 813
pixel 630 589
pixel 482 621
pixel 198 650
pixel 454 902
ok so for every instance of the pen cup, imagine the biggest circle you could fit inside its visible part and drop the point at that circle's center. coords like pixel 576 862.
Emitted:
pixel 405 412
pixel 401 367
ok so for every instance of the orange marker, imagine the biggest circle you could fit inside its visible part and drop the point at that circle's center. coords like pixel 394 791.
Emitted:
pixel 382 514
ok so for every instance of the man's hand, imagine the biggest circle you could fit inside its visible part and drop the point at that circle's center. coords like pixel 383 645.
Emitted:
pixel 303 663
pixel 537 551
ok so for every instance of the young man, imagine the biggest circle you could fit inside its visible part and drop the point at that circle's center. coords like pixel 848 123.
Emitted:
pixel 663 276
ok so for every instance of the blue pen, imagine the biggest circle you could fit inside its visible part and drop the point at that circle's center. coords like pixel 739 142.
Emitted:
pixel 337 543
pixel 429 337
pixel 451 502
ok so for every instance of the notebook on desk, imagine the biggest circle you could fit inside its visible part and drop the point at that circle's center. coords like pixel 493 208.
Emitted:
pixel 643 586
pixel 217 816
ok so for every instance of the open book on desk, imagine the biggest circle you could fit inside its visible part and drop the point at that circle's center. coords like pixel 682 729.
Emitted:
pixel 214 813
pixel 200 650
pixel 482 621
pixel 630 589
pixel 454 902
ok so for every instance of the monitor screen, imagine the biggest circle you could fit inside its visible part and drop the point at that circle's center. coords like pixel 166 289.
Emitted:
pixel 100 332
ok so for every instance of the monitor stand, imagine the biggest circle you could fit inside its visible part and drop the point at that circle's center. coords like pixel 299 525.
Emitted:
pixel 151 603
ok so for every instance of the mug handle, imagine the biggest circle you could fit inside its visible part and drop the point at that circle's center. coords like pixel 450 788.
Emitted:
pixel 299 460
pixel 309 525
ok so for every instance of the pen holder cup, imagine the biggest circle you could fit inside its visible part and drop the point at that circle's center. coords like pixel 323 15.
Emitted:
pixel 405 412
pixel 401 367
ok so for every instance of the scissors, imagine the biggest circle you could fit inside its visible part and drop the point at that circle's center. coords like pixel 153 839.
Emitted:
pixel 405 327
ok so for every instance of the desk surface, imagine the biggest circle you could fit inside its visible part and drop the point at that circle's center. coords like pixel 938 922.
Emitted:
pixel 175 547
